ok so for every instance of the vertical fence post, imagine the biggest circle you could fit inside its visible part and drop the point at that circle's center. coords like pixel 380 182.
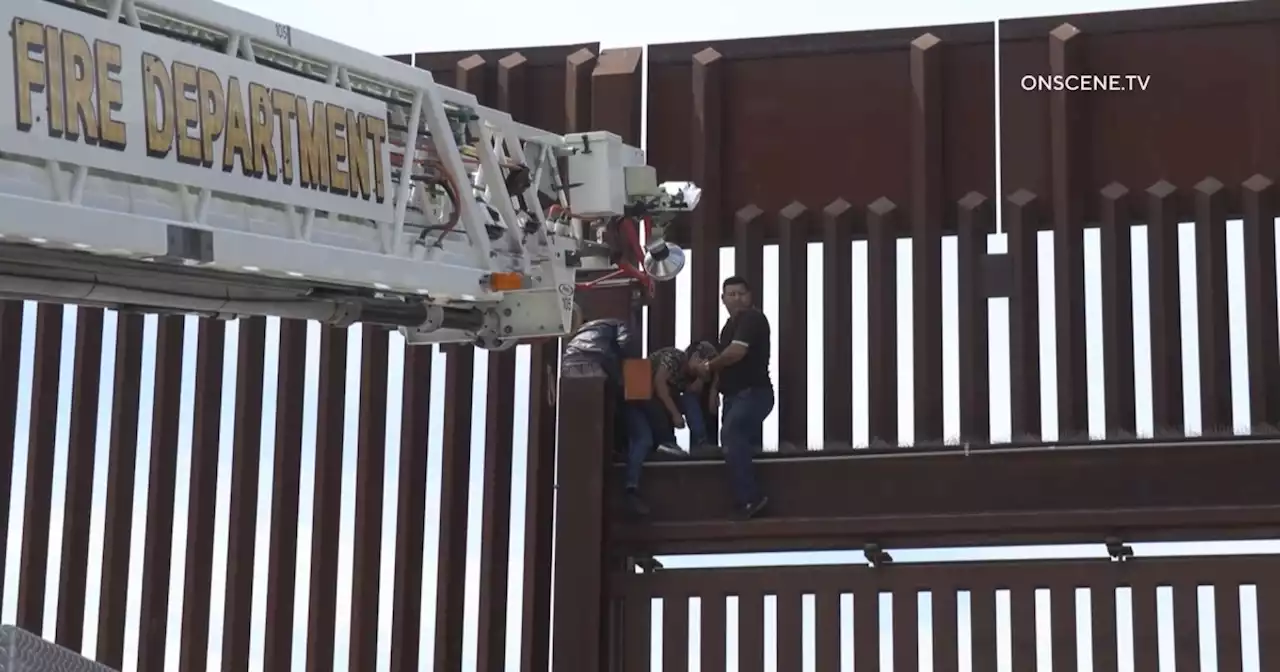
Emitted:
pixel 535 631
pixel 536 626
pixel 202 497
pixel 1213 316
pixel 794 230
pixel 1260 301
pixel 1164 254
pixel 121 467
pixel 976 221
pixel 242 516
pixel 1023 224
pixel 495 524
pixel 882 321
pixel 1117 311
pixel 81 446
pixel 580 469
pixel 471 75
pixel 371 460
pixel 330 449
pixel 617 83
pixel 928 186
pixel 41 442
pixel 157 551
pixel 706 235
pixel 11 314
pixel 286 474
pixel 1068 164
pixel 838 221
pixel 707 129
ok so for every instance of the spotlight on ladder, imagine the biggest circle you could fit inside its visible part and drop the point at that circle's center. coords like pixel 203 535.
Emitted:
pixel 663 261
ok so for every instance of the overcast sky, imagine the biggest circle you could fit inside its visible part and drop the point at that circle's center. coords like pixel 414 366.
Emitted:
pixel 395 26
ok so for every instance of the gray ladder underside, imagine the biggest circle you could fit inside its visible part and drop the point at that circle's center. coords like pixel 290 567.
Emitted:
pixel 21 651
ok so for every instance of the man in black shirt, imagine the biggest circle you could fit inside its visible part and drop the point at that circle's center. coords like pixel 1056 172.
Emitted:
pixel 743 370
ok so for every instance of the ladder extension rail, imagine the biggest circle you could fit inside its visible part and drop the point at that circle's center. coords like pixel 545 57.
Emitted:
pixel 352 187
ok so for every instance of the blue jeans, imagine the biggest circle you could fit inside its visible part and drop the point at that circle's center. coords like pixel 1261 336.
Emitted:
pixel 640 441
pixel 694 419
pixel 742 433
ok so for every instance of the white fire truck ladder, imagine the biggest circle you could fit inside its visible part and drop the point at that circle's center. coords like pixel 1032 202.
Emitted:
pixel 185 156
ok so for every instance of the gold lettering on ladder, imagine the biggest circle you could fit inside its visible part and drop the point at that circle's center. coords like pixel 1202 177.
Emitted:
pixel 375 128
pixel 81 85
pixel 78 77
pixel 186 112
pixel 30 73
pixel 313 143
pixel 75 86
pixel 285 107
pixel 56 94
pixel 338 150
pixel 213 113
pixel 157 112
pixel 237 144
pixel 110 89
pixel 262 124
pixel 357 157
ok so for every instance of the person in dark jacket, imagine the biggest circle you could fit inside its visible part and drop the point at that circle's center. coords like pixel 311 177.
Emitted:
pixel 606 343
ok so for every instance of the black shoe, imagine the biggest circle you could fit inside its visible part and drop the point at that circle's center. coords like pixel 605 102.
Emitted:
pixel 635 504
pixel 752 510
pixel 668 449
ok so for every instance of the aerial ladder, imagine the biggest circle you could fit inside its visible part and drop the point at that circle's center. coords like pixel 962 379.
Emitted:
pixel 183 156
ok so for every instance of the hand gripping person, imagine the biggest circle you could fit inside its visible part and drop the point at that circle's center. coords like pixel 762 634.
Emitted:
pixel 742 370
pixel 605 343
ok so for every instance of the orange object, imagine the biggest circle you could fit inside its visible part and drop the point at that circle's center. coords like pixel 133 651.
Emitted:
pixel 505 282
pixel 637 379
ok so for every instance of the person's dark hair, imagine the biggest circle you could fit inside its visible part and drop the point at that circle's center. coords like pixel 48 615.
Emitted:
pixel 736 280
pixel 701 350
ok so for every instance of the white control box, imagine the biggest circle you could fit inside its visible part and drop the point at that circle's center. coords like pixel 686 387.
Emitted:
pixel 597 168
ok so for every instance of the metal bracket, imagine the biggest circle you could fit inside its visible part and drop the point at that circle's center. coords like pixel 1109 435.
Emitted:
pixel 493 335
pixel 1118 550
pixel 997 272
pixel 876 555
pixel 434 321
pixel 647 564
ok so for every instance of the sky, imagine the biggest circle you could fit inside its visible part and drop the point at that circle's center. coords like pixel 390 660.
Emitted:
pixel 396 26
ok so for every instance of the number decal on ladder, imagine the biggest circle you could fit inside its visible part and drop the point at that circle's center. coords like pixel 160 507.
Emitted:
pixel 284 32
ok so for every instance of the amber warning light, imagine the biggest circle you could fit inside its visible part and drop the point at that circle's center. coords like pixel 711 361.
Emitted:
pixel 506 282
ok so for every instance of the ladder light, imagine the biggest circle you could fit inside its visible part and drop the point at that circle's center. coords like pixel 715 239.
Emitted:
pixel 506 282
pixel 663 260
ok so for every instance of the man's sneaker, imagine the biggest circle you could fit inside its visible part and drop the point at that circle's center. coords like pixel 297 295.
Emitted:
pixel 635 504
pixel 668 449
pixel 752 510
